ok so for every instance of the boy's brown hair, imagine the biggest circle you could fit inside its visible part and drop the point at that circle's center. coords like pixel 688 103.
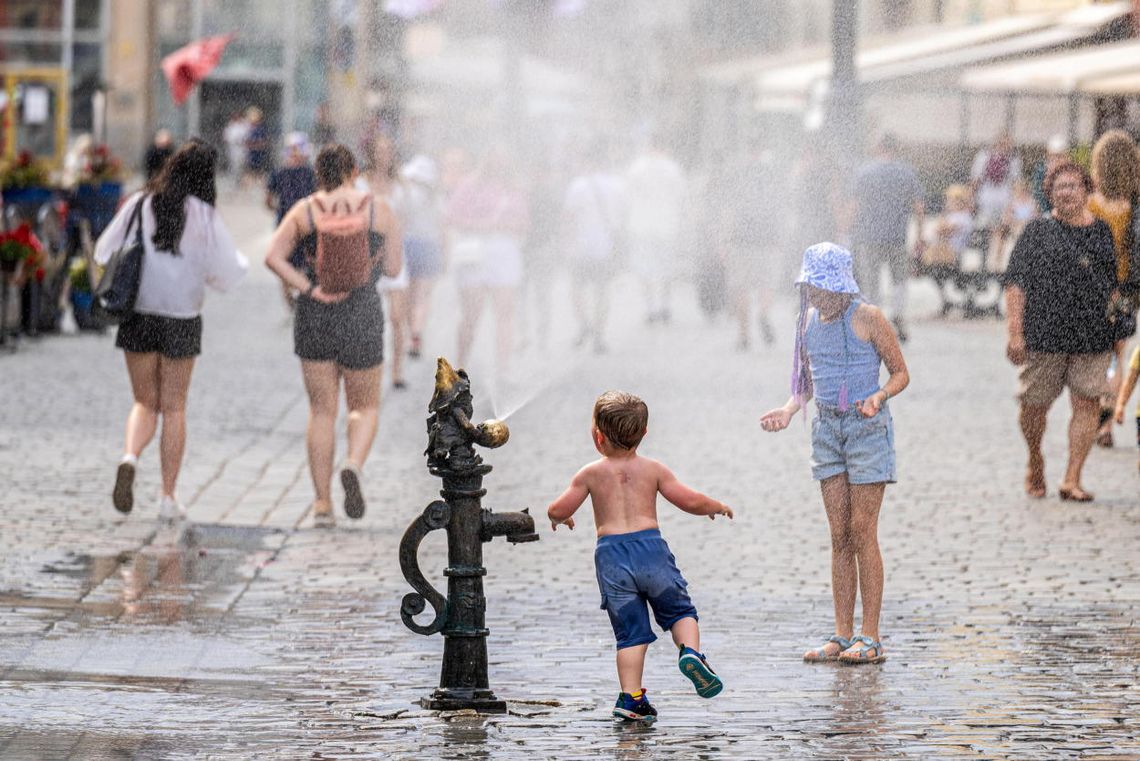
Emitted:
pixel 622 418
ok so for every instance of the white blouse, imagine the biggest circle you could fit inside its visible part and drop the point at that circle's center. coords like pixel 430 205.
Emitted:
pixel 175 285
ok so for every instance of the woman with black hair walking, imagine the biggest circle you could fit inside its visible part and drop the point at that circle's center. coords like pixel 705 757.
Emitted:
pixel 187 247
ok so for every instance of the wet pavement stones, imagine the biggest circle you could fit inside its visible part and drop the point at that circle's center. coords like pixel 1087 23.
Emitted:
pixel 1010 623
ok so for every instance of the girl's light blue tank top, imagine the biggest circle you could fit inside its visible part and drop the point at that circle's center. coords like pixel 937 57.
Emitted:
pixel 836 355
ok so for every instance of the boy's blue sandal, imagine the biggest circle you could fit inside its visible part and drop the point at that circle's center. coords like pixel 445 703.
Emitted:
pixel 869 652
pixel 639 710
pixel 820 653
pixel 694 666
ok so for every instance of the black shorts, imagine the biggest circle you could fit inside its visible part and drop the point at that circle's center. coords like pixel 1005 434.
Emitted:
pixel 172 337
pixel 350 333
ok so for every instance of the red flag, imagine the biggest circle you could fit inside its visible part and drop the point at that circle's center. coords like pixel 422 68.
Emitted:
pixel 188 66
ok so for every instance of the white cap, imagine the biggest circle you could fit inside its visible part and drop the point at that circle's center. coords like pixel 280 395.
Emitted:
pixel 420 169
pixel 1057 144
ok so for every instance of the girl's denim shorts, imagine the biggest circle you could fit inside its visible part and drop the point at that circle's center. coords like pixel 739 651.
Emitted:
pixel 847 442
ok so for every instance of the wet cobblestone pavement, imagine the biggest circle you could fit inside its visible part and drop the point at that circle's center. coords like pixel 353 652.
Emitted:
pixel 1010 623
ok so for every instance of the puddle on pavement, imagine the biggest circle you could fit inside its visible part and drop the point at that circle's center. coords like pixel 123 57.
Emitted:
pixel 197 573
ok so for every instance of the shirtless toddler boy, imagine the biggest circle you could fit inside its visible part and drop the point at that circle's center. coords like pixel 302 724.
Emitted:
pixel 633 563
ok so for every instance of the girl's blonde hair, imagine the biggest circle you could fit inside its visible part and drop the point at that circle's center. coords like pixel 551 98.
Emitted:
pixel 1116 165
pixel 957 194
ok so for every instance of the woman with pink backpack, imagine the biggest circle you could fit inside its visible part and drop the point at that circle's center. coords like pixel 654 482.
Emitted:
pixel 349 238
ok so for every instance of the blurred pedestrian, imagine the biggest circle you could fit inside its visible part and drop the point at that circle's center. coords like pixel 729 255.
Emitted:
pixel 1116 181
pixel 382 179
pixel 543 251
pixel 234 136
pixel 752 213
pixel 941 260
pixel 1060 278
pixel 187 247
pixel 294 180
pixel 886 193
pixel 593 210
pixel 841 343
pixel 339 326
pixel 1126 389
pixel 257 146
pixel 656 192
pixel 488 214
pixel 158 153
pixel 994 171
pixel 1056 151
pixel 423 242
pixel 324 131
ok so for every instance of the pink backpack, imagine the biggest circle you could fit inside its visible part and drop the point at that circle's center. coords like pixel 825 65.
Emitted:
pixel 344 256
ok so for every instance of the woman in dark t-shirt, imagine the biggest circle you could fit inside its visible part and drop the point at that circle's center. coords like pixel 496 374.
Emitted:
pixel 1060 278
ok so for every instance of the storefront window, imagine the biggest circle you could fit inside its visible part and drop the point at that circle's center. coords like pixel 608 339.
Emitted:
pixel 30 53
pixel 86 78
pixel 87 13
pixel 43 15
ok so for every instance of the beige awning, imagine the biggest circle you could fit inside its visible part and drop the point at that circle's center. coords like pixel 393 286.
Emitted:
pixel 1089 70
pixel 1070 27
pixel 800 78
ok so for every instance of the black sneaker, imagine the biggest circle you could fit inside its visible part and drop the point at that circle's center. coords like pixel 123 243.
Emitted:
pixel 639 710
pixel 123 497
pixel 353 496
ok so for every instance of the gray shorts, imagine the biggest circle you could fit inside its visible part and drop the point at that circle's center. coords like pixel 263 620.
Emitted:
pixel 847 442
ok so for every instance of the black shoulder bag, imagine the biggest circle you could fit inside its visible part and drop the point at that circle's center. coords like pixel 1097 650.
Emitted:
pixel 119 285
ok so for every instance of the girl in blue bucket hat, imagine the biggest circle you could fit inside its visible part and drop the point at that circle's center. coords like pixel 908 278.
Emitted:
pixel 841 342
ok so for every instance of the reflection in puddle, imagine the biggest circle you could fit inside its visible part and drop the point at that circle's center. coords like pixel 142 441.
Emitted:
pixel 196 573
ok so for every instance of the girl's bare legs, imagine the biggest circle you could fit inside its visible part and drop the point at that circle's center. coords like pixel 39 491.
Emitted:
pixel 470 307
pixel 866 499
pixel 837 502
pixel 322 383
pixel 630 666
pixel 142 422
pixel 362 395
pixel 174 384
pixel 398 319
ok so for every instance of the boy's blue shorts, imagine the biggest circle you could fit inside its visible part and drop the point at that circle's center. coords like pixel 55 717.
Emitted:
pixel 635 569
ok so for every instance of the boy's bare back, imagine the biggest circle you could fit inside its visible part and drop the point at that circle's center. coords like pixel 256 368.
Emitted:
pixel 623 490
pixel 624 493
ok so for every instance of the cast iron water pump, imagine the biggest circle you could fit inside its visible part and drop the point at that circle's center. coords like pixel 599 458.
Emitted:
pixel 461 615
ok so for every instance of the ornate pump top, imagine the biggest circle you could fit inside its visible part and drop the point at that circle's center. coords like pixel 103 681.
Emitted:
pixel 451 434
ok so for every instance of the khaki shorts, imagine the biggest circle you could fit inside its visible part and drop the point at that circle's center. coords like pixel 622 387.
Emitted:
pixel 1044 376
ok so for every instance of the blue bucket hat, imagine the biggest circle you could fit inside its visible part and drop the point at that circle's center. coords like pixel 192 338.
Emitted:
pixel 828 266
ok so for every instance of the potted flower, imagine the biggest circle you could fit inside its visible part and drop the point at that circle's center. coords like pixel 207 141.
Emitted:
pixel 21 252
pixel 81 295
pixel 100 187
pixel 25 181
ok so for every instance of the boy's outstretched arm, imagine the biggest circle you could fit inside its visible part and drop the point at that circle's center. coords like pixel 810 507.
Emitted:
pixel 689 500
pixel 562 509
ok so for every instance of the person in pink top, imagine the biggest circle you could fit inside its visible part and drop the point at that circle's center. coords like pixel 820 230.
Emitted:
pixel 488 216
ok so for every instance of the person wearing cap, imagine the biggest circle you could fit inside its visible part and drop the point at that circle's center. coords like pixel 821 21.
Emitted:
pixel 841 344
pixel 293 181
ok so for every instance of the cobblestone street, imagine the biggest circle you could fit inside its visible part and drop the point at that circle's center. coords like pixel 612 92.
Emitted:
pixel 1010 624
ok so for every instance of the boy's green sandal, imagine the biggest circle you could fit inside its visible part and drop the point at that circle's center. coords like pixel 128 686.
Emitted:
pixel 636 709
pixel 694 666
pixel 820 654
pixel 869 652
